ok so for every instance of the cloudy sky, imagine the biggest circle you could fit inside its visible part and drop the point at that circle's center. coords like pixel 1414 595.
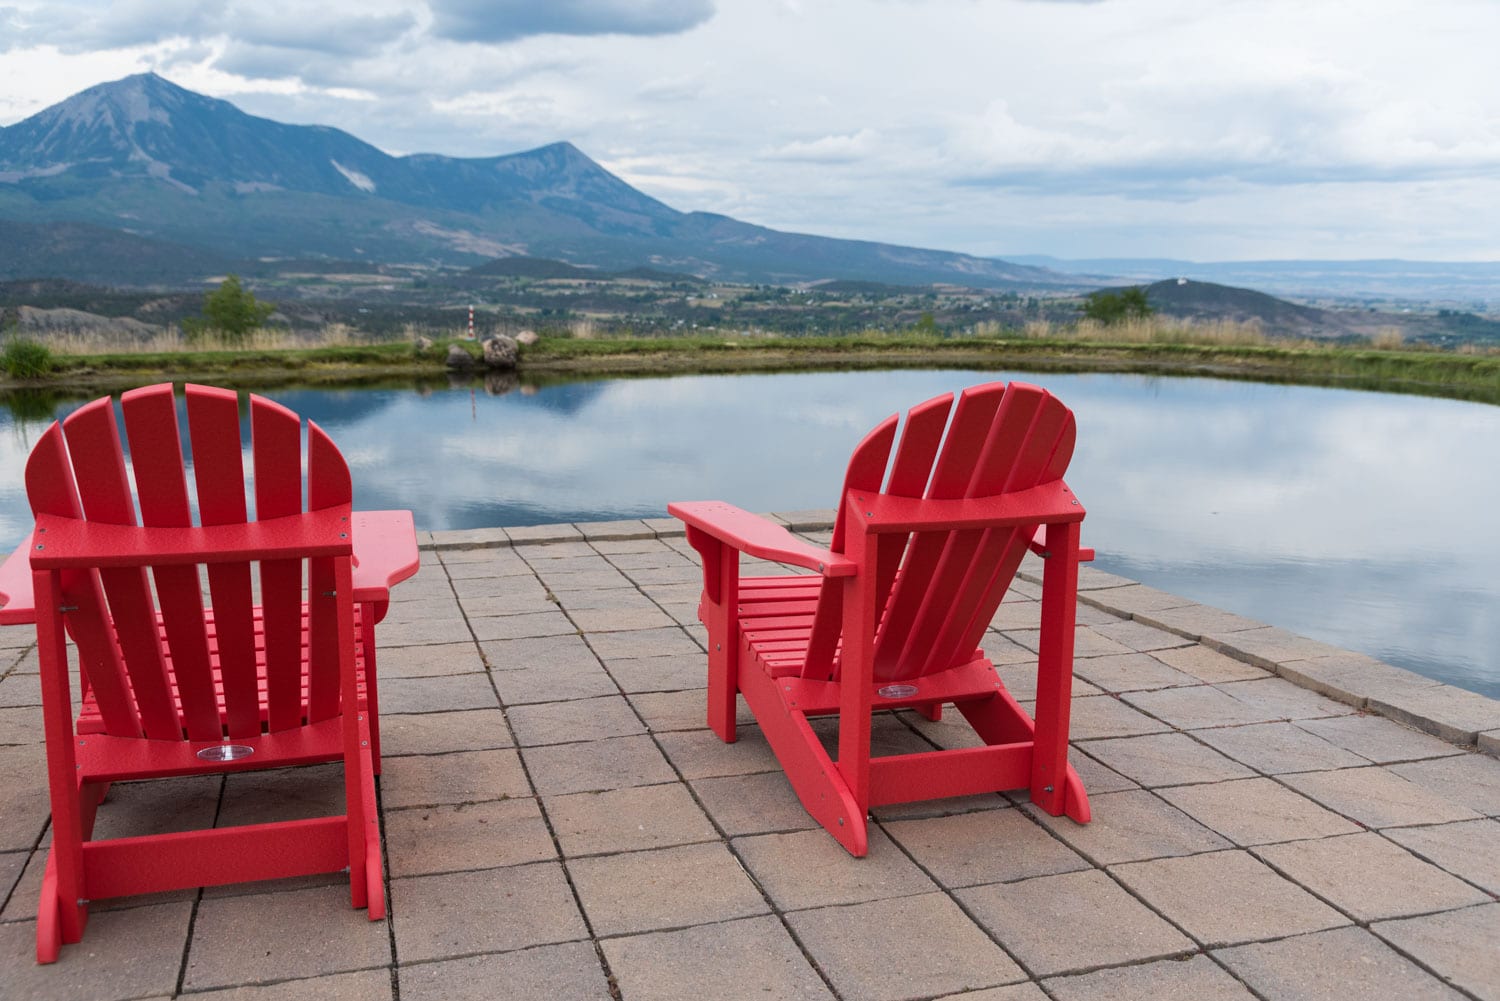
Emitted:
pixel 1203 129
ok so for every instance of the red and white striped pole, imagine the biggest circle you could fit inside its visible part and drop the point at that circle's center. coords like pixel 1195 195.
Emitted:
pixel 471 323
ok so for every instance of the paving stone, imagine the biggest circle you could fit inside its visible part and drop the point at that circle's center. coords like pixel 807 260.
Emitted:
pixel 607 620
pixel 1086 642
pixel 439 733
pixel 1165 759
pixel 1194 621
pixel 1097 716
pixel 1377 797
pixel 1129 826
pixel 643 643
pixel 131 953
pixel 1200 706
pixel 665 528
pixel 468 538
pixel 1257 811
pixel 425 661
pixel 1451 713
pixel 24 808
pixel 664 712
pixel 1096 777
pixel 1345 964
pixel 570 722
pixel 1458 945
pixel 1139 636
pixel 611 599
pixel 909 947
pixel 1125 597
pixel 603 578
pixel 687 574
pixel 1208 665
pixel 1378 739
pixel 250 798
pixel 1192 893
pixel 20 690
pixel 598 531
pixel 1196 978
pixel 627 820
pixel 427 840
pixel 753 804
pixel 363 985
pixel 660 674
pixel 700 754
pixel 1469 849
pixel 1017 615
pixel 1489 742
pixel 1278 748
pixel 1073 921
pixel 1351 678
pixel 614 763
pixel 1369 877
pixel 1471 780
pixel 664 888
pixel 751 959
pixel 499 559
pixel 523 589
pixel 1129 672
pixel 989 846
pixel 261 937
pixel 535 537
pixel 422 632
pixel 418 609
pixel 462 777
pixel 489 910
pixel 545 669
pixel 1013 992
pixel 570 971
pixel 427 695
pixel 1267 646
pixel 521 626
pixel 810 869
pixel 1284 700
pixel 11 865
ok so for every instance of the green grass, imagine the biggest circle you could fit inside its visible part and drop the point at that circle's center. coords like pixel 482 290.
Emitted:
pixel 1473 375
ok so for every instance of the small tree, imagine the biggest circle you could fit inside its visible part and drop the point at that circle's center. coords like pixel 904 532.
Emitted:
pixel 233 310
pixel 1114 307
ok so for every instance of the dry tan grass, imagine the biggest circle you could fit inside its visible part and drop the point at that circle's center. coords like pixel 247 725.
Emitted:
pixel 1156 330
pixel 172 339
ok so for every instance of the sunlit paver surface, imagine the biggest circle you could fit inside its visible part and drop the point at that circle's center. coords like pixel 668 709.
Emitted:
pixel 559 823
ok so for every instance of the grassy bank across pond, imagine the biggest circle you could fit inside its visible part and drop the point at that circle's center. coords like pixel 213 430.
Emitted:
pixel 1457 374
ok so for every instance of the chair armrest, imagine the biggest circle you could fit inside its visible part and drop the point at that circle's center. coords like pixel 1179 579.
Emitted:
pixel 385 552
pixel 70 543
pixel 752 534
pixel 15 587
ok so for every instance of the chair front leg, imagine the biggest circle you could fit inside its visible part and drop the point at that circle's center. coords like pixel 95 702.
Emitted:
pixel 1054 691
pixel 720 614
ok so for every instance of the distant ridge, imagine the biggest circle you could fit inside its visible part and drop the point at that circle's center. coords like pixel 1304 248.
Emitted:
pixel 144 155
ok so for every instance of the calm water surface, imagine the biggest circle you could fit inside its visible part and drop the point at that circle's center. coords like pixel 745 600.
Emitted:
pixel 1362 519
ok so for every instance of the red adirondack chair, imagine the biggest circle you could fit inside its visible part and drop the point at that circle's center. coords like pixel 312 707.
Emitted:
pixel 170 687
pixel 898 606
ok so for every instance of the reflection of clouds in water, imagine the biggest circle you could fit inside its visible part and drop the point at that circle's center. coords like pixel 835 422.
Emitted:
pixel 1357 518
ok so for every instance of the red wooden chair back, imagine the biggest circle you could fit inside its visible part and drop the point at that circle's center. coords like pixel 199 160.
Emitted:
pixel 130 626
pixel 1001 438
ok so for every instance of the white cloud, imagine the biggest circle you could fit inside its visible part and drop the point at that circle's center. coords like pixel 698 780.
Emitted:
pixel 1281 128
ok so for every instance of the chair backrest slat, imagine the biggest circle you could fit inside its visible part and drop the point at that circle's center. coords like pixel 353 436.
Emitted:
pixel 935 607
pixel 951 478
pixel 104 489
pixel 328 485
pixel 52 489
pixel 161 488
pixel 1025 443
pixel 276 443
pixel 219 474
pixel 866 470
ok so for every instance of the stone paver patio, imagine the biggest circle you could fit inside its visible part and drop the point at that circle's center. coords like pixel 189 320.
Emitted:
pixel 1273 818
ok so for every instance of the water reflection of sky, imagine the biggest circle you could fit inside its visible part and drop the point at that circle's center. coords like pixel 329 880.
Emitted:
pixel 1359 518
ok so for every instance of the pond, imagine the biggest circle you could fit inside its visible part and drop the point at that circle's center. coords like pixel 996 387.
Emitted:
pixel 1356 518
